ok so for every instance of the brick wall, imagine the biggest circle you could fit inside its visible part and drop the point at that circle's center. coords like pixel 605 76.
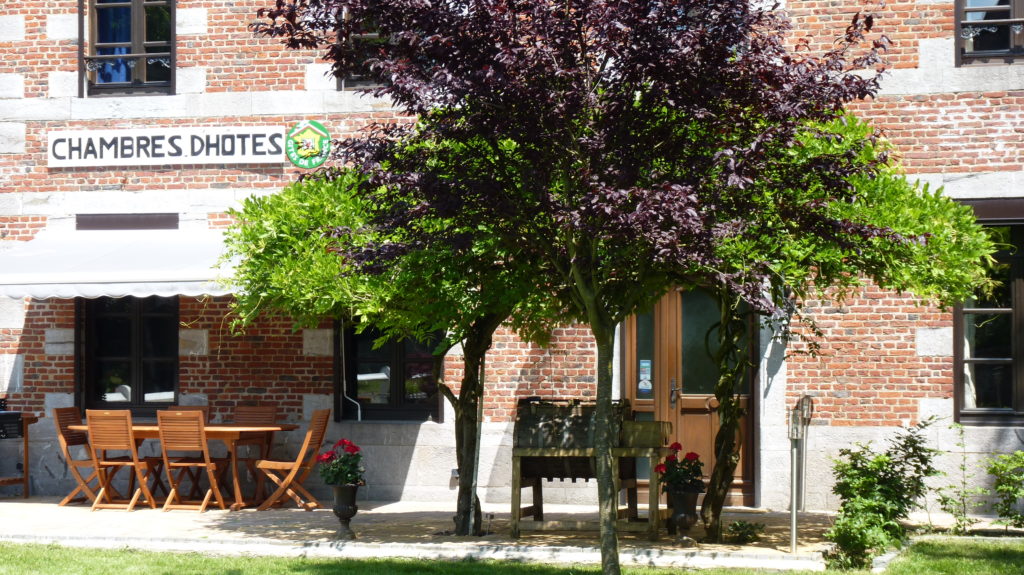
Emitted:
pixel 962 132
pixel 905 24
pixel 20 228
pixel 517 369
pixel 266 363
pixel 869 370
pixel 44 372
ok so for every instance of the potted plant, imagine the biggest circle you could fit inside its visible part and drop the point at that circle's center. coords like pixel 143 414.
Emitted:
pixel 341 467
pixel 682 480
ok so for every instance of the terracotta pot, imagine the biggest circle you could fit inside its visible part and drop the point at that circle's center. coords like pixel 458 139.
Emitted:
pixel 345 508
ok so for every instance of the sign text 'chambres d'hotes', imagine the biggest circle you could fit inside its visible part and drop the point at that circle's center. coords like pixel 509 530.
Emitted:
pixel 162 146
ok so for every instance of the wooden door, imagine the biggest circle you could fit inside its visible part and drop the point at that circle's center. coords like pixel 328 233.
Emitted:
pixel 669 376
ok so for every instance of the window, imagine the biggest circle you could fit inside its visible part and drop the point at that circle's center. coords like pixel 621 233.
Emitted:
pixel 397 380
pixel 129 48
pixel 989 356
pixel 989 31
pixel 130 352
pixel 363 45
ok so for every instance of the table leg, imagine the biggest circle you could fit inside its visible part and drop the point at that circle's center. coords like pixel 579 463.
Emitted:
pixel 265 448
pixel 235 483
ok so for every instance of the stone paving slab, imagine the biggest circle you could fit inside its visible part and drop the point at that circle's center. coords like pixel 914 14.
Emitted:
pixel 404 529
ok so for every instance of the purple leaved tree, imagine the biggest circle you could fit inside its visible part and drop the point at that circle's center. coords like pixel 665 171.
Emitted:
pixel 620 148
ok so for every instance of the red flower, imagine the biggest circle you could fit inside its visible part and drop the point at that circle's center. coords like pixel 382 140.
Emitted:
pixel 670 457
pixel 676 446
pixel 691 456
pixel 351 448
pixel 325 457
pixel 659 468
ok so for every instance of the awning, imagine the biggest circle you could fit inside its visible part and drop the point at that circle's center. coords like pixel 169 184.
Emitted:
pixel 115 263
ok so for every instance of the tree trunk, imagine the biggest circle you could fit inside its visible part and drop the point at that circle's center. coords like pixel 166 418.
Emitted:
pixel 603 442
pixel 468 516
pixel 726 460
pixel 732 363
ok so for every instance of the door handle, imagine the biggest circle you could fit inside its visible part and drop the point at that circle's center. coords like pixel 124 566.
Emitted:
pixel 673 392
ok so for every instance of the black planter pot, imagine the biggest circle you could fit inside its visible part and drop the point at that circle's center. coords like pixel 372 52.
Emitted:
pixel 684 510
pixel 345 508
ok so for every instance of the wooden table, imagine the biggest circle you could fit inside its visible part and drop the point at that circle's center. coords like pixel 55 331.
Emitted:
pixel 26 420
pixel 229 433
pixel 653 455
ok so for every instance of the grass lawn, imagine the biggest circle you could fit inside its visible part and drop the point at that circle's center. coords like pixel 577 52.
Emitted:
pixel 959 557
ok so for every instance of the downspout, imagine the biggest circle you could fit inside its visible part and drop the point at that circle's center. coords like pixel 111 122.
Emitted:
pixel 341 384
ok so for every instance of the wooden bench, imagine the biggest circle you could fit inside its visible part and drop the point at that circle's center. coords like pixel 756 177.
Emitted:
pixel 554 440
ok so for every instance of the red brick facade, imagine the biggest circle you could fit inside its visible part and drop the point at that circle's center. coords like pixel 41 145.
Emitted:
pixel 266 363
pixel 518 369
pixel 867 370
pixel 965 132
pixel 867 374
pixel 870 372
pixel 905 24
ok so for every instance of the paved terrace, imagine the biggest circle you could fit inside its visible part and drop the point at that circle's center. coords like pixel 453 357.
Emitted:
pixel 404 529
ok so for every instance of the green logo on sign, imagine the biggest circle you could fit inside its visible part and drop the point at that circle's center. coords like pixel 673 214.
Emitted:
pixel 308 144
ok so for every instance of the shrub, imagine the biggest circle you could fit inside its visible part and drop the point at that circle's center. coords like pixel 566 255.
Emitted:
pixel 1008 471
pixel 958 498
pixel 878 490
pixel 744 531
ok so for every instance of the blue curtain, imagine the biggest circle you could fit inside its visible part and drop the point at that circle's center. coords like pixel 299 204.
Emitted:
pixel 114 25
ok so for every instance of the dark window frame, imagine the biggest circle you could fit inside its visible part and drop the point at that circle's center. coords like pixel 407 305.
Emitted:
pixel 89 61
pixel 89 315
pixel 966 29
pixel 396 409
pixel 356 82
pixel 995 212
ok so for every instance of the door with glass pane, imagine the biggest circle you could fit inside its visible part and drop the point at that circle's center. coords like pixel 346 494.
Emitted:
pixel 669 376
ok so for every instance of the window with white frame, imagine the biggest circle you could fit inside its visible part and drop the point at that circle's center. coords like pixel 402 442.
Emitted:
pixel 128 46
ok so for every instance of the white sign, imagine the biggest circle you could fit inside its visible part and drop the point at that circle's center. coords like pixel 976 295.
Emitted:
pixel 167 146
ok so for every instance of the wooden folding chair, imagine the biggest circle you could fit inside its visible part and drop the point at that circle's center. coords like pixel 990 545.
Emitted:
pixel 205 409
pixel 111 430
pixel 62 418
pixel 193 474
pixel 289 475
pixel 185 432
pixel 256 415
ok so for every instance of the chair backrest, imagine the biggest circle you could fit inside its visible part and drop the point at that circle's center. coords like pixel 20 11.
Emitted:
pixel 203 408
pixel 62 418
pixel 314 437
pixel 110 430
pixel 255 414
pixel 181 430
